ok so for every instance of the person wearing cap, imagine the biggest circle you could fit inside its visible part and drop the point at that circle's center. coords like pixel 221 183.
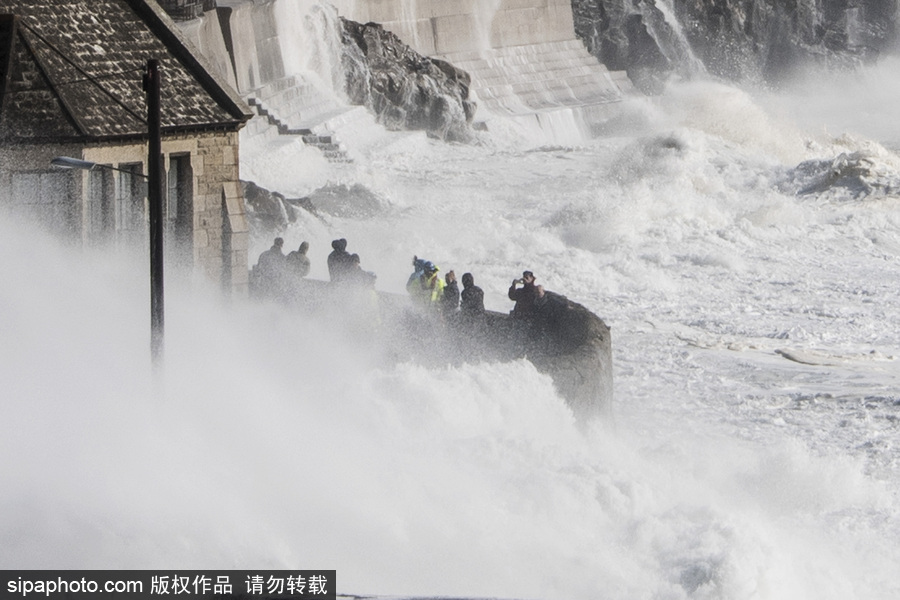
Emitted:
pixel 418 268
pixel 524 296
pixel 428 287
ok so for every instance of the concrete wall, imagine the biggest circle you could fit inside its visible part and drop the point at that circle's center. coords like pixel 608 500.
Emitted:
pixel 208 37
pixel 240 42
pixel 249 33
pixel 439 27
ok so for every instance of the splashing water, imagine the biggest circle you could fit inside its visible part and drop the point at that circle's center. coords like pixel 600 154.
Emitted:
pixel 755 444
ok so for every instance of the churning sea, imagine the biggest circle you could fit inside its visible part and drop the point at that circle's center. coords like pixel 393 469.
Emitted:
pixel 743 246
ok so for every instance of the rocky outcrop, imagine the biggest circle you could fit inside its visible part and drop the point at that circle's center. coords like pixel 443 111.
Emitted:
pixel 621 36
pixel 404 89
pixel 270 212
pixel 772 37
pixel 762 40
pixel 564 339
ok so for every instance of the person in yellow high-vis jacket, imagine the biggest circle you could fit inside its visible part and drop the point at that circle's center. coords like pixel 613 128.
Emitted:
pixel 427 287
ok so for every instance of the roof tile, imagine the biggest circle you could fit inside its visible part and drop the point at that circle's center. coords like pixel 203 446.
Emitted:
pixel 84 61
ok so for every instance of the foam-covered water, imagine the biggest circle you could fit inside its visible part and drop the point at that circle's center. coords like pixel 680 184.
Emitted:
pixel 728 471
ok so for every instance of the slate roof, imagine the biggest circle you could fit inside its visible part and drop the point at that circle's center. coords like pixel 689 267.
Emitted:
pixel 73 70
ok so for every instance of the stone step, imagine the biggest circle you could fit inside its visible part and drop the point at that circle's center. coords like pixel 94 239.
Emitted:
pixel 269 126
pixel 295 99
pixel 506 51
pixel 537 77
pixel 555 66
pixel 533 73
pixel 577 56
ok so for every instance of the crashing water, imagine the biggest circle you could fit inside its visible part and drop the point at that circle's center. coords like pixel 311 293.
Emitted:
pixel 755 445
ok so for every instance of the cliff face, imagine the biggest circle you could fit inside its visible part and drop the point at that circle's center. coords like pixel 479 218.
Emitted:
pixel 404 89
pixel 760 40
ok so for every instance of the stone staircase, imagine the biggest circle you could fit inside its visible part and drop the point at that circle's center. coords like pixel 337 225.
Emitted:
pixel 538 77
pixel 292 106
pixel 558 86
pixel 322 140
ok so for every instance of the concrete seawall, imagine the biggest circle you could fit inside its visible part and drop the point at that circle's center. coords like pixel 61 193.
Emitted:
pixel 525 60
pixel 446 27
pixel 523 56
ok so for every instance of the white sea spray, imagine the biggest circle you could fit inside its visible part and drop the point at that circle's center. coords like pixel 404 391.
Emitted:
pixel 754 446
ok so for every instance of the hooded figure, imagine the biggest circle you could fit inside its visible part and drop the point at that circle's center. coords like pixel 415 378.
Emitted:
pixel 269 273
pixel 472 298
pixel 450 295
pixel 298 261
pixel 338 260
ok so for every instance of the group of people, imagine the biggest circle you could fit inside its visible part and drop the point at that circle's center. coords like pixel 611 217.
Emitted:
pixel 427 288
pixel 344 267
pixel 275 269
pixel 277 273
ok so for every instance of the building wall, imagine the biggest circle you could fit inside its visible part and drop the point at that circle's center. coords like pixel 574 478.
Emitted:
pixel 219 240
pixel 219 211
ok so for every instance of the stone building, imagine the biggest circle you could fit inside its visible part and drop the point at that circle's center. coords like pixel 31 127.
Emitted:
pixel 71 84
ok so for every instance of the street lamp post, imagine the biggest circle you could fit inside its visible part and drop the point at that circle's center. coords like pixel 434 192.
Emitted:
pixel 155 199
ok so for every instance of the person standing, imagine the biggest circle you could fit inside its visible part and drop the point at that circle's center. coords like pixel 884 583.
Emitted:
pixel 269 272
pixel 427 288
pixel 524 296
pixel 450 296
pixel 339 260
pixel 472 298
pixel 298 261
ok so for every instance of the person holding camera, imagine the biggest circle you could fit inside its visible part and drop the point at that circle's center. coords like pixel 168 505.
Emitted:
pixel 524 296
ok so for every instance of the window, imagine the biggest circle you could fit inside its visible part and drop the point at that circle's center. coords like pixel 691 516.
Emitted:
pixel 115 203
pixel 180 203
pixel 46 198
pixel 100 208
pixel 130 195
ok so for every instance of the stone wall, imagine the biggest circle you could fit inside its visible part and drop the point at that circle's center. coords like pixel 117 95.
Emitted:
pixel 219 240
pixel 220 225
pixel 219 234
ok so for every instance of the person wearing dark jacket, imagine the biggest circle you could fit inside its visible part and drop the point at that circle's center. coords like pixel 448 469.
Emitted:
pixel 269 273
pixel 472 298
pixel 450 297
pixel 298 261
pixel 524 296
pixel 339 260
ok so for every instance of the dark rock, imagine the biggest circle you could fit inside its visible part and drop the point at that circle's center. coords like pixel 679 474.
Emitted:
pixel 739 40
pixel 340 200
pixel 404 89
pixel 270 212
pixel 852 176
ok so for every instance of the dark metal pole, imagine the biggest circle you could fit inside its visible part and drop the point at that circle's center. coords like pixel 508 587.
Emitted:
pixel 155 197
